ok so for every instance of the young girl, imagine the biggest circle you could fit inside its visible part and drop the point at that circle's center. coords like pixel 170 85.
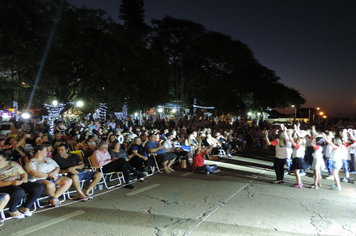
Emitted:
pixel 318 161
pixel 336 159
pixel 298 156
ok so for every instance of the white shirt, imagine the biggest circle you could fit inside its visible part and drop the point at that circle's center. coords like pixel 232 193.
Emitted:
pixel 43 167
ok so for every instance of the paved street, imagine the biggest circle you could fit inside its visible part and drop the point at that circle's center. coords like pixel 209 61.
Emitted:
pixel 240 200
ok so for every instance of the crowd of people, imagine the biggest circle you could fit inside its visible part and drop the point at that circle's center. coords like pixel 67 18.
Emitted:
pixel 116 146
pixel 320 150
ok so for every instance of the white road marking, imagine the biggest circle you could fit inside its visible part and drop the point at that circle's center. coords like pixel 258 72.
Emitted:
pixel 47 223
pixel 185 174
pixel 142 189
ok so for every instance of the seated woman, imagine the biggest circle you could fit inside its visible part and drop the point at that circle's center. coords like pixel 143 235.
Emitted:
pixel 125 145
pixel 116 151
pixel 198 160
pixel 13 180
pixel 102 158
pixel 44 168
pixel 84 146
pixel 140 159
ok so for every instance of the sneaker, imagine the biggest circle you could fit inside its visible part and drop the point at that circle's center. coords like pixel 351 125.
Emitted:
pixel 27 213
pixel 130 186
pixel 330 177
pixel 19 216
pixel 345 180
pixel 336 188
pixel 217 171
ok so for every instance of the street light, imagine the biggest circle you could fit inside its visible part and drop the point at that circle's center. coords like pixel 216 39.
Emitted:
pixel 54 103
pixel 318 108
pixel 321 113
pixel 25 115
pixel 324 117
pixel 295 111
pixel 79 104
pixel 173 110
pixel 160 110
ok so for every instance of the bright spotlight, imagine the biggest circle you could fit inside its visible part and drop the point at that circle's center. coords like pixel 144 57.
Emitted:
pixel 136 114
pixel 80 104
pixel 249 113
pixel 54 103
pixel 25 115
pixel 259 113
pixel 160 110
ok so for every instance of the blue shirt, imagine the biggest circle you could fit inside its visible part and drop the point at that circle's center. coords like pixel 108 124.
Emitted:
pixel 149 145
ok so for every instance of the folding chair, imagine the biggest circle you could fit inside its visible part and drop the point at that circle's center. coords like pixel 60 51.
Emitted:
pixel 46 197
pixel 80 153
pixel 2 213
pixel 255 142
pixel 153 155
pixel 120 176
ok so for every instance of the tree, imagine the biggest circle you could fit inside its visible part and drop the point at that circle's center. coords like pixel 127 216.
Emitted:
pixel 132 12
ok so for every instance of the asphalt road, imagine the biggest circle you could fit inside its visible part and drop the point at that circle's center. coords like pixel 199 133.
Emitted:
pixel 240 200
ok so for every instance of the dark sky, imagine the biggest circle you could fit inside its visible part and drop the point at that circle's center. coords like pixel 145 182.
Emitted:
pixel 310 44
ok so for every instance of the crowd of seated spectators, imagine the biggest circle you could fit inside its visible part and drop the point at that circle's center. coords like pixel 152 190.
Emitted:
pixel 114 146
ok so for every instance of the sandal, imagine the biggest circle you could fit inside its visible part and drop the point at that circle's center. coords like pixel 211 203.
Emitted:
pixel 314 187
pixel 54 202
pixel 84 199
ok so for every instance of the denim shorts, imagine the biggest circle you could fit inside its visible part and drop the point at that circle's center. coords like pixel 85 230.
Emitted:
pixel 345 164
pixel 336 165
pixel 86 175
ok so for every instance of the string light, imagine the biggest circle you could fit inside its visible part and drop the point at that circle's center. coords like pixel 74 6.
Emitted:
pixel 54 111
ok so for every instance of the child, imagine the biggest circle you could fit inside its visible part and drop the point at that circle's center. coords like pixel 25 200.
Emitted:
pixel 336 159
pixel 318 161
pixel 298 156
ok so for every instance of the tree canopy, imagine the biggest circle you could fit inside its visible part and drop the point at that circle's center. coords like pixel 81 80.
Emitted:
pixel 95 59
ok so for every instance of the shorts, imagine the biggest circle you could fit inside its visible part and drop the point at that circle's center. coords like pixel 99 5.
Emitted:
pixel 86 175
pixel 2 196
pixel 336 165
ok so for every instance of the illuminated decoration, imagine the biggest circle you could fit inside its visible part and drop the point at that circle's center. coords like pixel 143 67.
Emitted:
pixel 154 117
pixel 102 111
pixel 195 102
pixel 141 117
pixel 53 114
pixel 15 105
pixel 124 112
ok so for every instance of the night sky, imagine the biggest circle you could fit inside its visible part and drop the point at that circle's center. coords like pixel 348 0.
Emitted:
pixel 311 45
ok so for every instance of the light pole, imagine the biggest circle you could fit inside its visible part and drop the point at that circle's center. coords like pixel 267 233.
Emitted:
pixel 295 111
